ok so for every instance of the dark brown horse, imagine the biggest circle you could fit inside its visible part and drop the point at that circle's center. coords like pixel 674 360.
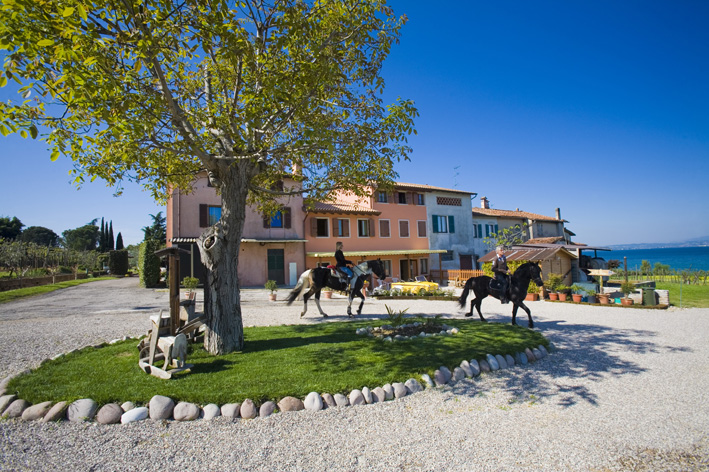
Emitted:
pixel 312 281
pixel 516 293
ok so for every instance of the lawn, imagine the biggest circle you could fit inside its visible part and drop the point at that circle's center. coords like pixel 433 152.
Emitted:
pixel 277 361
pixel 692 296
pixel 11 295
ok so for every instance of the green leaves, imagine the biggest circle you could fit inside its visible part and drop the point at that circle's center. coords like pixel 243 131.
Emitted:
pixel 45 42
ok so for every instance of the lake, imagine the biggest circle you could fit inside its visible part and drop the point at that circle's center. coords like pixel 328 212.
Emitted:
pixel 678 258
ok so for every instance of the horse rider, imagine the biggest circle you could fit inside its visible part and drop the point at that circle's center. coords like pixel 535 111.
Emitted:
pixel 341 263
pixel 502 272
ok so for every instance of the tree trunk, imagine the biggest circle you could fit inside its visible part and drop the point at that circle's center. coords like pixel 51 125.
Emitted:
pixel 219 249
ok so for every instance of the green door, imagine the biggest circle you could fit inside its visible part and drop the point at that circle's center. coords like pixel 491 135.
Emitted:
pixel 276 266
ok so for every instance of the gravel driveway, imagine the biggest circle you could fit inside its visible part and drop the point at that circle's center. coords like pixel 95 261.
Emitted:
pixel 626 389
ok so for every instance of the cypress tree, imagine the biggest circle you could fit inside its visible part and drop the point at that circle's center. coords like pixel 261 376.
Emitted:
pixel 102 237
pixel 119 242
pixel 111 240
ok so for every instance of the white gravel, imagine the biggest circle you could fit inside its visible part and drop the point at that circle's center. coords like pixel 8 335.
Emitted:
pixel 626 389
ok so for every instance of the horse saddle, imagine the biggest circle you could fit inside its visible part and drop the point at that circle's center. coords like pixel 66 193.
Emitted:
pixel 495 284
pixel 337 273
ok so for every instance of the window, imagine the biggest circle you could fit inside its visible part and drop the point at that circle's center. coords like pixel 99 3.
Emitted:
pixel 387 267
pixel 209 215
pixel 341 227
pixel 490 229
pixel 403 228
pixel 423 266
pixel 365 228
pixel 448 256
pixel 319 227
pixel 384 231
pixel 282 219
pixel 421 225
pixel 443 224
pixel 419 199
pixel 382 197
pixel 402 198
pixel 478 230
pixel 449 201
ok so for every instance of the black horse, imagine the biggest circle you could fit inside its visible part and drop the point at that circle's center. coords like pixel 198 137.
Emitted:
pixel 320 277
pixel 517 290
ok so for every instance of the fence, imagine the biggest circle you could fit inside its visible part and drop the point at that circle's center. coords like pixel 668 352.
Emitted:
pixel 455 278
pixel 13 284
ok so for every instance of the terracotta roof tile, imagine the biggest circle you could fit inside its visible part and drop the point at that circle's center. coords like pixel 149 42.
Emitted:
pixel 342 207
pixel 522 215
pixel 428 188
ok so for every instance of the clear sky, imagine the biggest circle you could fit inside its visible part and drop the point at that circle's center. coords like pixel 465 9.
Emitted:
pixel 600 108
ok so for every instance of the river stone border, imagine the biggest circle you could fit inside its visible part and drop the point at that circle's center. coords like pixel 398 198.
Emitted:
pixel 377 332
pixel 164 408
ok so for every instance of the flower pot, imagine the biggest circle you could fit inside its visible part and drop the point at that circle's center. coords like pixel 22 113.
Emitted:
pixel 531 297
pixel 326 294
pixel 562 296
pixel 604 299
pixel 576 297
pixel 553 296
pixel 592 299
pixel 272 297
pixel 626 301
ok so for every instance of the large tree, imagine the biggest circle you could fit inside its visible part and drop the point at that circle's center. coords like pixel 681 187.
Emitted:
pixel 156 90
pixel 84 238
pixel 40 235
pixel 10 228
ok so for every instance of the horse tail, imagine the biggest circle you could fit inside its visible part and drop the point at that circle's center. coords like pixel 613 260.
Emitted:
pixel 466 291
pixel 303 284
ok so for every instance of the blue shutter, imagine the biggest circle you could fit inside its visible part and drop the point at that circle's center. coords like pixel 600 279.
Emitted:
pixel 451 224
pixel 497 231
pixel 435 223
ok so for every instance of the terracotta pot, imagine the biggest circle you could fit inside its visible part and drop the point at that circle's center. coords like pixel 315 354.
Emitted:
pixel 562 296
pixel 576 297
pixel 531 297
pixel 272 297
pixel 326 294
pixel 553 296
pixel 604 299
pixel 626 301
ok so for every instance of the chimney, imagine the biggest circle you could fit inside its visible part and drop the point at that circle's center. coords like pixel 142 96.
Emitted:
pixel 558 214
pixel 484 203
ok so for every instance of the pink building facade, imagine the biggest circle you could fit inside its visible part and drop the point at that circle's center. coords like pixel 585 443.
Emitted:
pixel 271 247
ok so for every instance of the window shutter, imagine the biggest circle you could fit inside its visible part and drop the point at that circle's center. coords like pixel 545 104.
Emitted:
pixel 286 218
pixel 422 229
pixel 371 228
pixel 335 233
pixel 403 229
pixel 203 216
pixel 451 224
pixel 409 198
pixel 435 223
pixel 480 230
pixel 346 228
pixel 314 227
pixel 384 228
pixel 487 231
pixel 496 230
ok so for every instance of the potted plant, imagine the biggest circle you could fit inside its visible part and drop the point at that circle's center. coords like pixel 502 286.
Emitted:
pixel 532 292
pixel 273 287
pixel 326 292
pixel 591 296
pixel 190 283
pixel 604 298
pixel 627 288
pixel 552 285
pixel 575 295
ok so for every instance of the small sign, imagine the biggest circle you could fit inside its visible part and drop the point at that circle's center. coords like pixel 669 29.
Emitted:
pixel 601 272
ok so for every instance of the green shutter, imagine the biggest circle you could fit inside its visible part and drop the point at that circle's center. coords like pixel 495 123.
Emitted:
pixel 435 223
pixel 497 231
pixel 451 224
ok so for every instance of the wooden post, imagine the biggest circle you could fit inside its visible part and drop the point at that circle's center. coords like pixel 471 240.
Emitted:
pixel 173 258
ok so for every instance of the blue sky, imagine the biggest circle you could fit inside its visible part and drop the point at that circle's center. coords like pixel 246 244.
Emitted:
pixel 600 108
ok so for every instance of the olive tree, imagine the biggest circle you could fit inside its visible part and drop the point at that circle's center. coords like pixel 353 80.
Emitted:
pixel 154 91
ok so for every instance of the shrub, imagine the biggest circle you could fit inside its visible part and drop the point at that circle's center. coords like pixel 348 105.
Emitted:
pixel 627 288
pixel 271 285
pixel 118 262
pixel 149 263
pixel 554 282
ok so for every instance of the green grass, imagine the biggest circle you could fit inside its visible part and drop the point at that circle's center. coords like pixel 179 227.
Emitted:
pixel 11 295
pixel 693 296
pixel 276 362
